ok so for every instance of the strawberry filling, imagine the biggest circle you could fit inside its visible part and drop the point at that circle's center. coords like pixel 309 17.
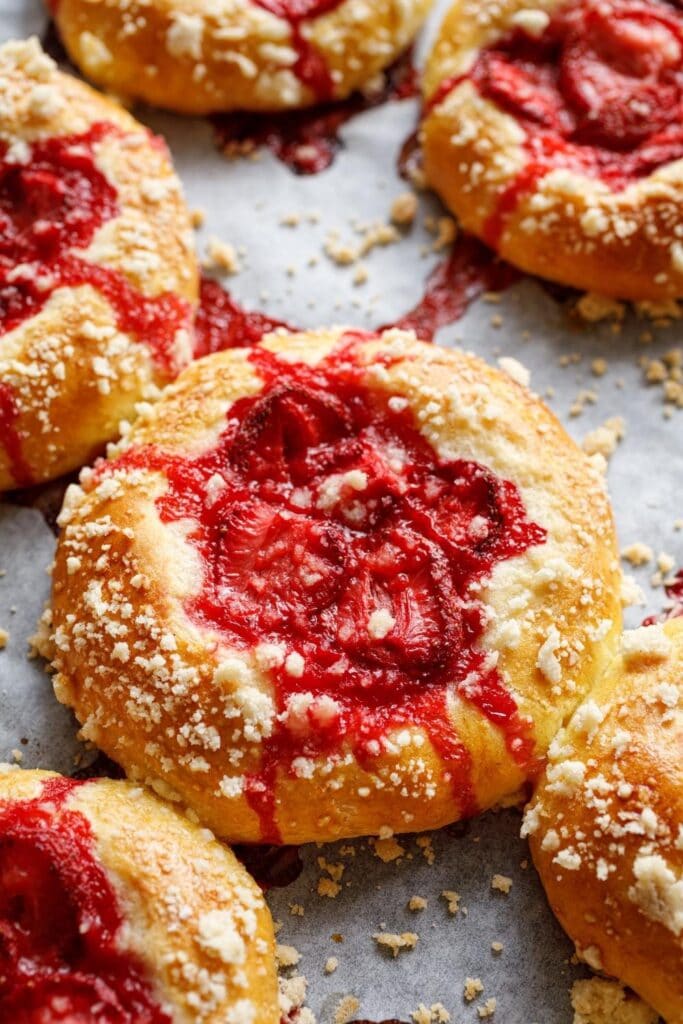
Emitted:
pixel 59 923
pixel 51 205
pixel 330 530
pixel 599 91
pixel 310 67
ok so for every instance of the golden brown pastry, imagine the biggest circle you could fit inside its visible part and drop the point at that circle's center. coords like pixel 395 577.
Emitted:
pixel 335 584
pixel 197 58
pixel 606 824
pixel 98 278
pixel 115 909
pixel 553 131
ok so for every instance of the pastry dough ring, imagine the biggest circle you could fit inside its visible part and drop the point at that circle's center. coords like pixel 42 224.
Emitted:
pixel 191 925
pixel 240 55
pixel 183 666
pixel 606 824
pixel 97 295
pixel 520 186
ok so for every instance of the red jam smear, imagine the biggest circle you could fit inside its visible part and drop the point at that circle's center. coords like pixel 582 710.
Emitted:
pixel 469 270
pixel 307 141
pixel 310 68
pixel 51 206
pixel 600 92
pixel 60 924
pixel 10 438
pixel 222 323
pixel 286 563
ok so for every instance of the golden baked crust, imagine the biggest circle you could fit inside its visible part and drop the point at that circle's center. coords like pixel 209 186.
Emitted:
pixel 74 362
pixel 570 226
pixel 606 823
pixel 164 693
pixel 236 55
pixel 192 915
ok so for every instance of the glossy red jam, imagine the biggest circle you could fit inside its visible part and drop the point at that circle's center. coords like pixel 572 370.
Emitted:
pixel 10 438
pixel 52 202
pixel 60 925
pixel 307 141
pixel 328 526
pixel 600 91
pixel 469 270
pixel 310 68
pixel 221 322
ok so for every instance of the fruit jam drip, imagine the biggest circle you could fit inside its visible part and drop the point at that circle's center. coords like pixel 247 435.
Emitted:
pixel 60 923
pixel 221 323
pixel 307 141
pixel 310 67
pixel 600 92
pixel 328 527
pixel 10 438
pixel 469 270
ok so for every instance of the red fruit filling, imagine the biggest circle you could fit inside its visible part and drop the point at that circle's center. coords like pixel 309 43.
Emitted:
pixel 600 91
pixel 221 322
pixel 52 202
pixel 330 528
pixel 310 67
pixel 59 923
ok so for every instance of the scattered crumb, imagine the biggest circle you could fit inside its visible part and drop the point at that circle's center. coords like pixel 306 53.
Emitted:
pixel 473 988
pixel 416 903
pixel 221 256
pixel 488 1009
pixel 346 1010
pixel 197 217
pixel 286 956
pixel 497 947
pixel 296 910
pixel 597 1001
pixel 328 887
pixel 501 883
pixel 425 844
pixel 452 899
pixel 599 367
pixel 404 209
pixel 434 1014
pixel 637 554
pixel 604 440
pixel 396 943
pixel 593 308
pixel 388 849
pixel 4 638
pixel 331 965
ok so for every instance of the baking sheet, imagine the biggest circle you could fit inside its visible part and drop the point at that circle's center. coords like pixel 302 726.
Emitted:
pixel 286 273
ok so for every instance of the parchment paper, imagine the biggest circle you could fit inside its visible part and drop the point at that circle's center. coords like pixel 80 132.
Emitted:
pixel 245 202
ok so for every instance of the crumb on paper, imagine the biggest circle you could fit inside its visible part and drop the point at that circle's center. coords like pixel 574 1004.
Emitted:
pixel 331 965
pixel 497 947
pixel 329 888
pixel 347 1008
pixel 501 883
pixel 598 1001
pixel 452 899
pixel 637 554
pixel 605 438
pixel 434 1014
pixel 425 844
pixel 473 988
pixel 488 1009
pixel 286 956
pixel 404 209
pixel 296 910
pixel 416 903
pixel 221 256
pixel 197 217
pixel 4 638
pixel 593 308
pixel 388 849
pixel 396 943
